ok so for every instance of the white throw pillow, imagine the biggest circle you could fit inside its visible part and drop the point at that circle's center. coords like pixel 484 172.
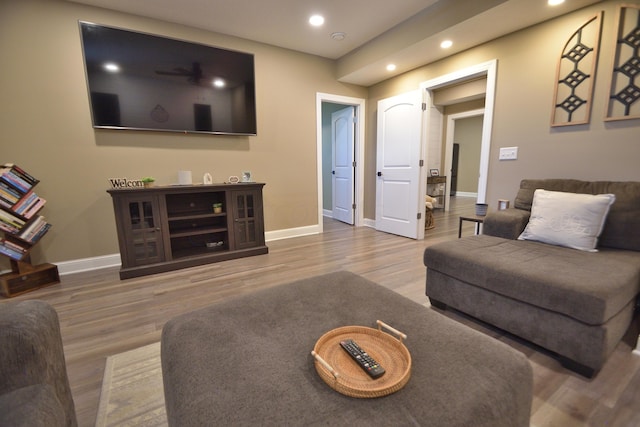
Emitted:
pixel 567 219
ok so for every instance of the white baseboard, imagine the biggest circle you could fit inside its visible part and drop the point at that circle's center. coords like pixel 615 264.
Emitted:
pixel 466 194
pixel 88 264
pixel 369 223
pixel 291 232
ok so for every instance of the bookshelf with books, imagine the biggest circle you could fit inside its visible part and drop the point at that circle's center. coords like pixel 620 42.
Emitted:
pixel 23 227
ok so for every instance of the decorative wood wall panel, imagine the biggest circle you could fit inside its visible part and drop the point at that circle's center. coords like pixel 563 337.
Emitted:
pixel 624 94
pixel 576 74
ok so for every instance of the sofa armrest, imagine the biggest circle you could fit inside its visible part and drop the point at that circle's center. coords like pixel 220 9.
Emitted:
pixel 31 352
pixel 507 223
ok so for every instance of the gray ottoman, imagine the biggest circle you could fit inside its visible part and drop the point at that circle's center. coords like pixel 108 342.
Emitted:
pixel 247 361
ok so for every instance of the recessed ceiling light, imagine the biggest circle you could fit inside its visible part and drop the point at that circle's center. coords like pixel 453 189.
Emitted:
pixel 111 67
pixel 391 67
pixel 219 83
pixel 446 44
pixel 554 2
pixel 316 20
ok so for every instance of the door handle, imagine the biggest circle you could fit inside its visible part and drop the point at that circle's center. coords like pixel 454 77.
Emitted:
pixel 379 173
pixel 333 172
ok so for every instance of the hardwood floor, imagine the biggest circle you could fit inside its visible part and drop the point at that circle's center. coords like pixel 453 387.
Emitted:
pixel 101 315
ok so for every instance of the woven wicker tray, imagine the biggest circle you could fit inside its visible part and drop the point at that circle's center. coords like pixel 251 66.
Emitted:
pixel 342 374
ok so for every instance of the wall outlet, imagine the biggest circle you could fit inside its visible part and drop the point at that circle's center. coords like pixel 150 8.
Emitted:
pixel 508 153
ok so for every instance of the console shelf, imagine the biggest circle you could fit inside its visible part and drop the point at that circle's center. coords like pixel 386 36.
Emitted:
pixel 167 228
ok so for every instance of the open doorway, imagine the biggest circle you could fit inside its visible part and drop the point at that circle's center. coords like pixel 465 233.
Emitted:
pixel 435 119
pixel 331 103
pixel 462 153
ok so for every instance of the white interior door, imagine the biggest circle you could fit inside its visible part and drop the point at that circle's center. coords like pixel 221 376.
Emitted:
pixel 342 142
pixel 398 164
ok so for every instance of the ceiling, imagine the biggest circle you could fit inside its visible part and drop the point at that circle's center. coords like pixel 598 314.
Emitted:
pixel 377 32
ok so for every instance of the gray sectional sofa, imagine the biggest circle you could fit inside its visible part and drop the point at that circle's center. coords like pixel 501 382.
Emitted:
pixel 575 303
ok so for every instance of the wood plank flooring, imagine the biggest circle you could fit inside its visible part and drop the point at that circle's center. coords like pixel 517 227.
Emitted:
pixel 101 315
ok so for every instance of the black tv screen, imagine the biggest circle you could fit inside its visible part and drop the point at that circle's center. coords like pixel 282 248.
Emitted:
pixel 142 81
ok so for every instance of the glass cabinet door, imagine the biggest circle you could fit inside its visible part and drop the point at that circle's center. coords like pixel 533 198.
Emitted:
pixel 145 239
pixel 247 228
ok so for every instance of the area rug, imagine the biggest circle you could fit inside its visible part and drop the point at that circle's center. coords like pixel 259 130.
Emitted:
pixel 132 391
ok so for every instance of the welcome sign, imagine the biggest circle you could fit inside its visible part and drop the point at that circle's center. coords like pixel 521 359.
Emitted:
pixel 121 183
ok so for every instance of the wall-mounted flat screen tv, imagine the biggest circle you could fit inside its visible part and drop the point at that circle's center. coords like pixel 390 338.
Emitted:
pixel 146 82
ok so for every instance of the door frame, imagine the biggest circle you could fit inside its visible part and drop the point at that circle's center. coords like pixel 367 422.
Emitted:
pixel 448 155
pixel 436 117
pixel 359 104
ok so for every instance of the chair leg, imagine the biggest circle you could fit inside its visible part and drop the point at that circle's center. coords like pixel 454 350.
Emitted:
pixel 437 304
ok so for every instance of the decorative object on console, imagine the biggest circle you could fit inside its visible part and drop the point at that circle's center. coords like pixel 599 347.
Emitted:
pixel 575 75
pixel 207 179
pixel 625 91
pixel 125 183
pixel 184 178
pixel 148 181
pixel 23 228
pixel 246 176
pixel 234 179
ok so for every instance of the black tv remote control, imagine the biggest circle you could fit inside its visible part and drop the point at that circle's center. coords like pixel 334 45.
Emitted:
pixel 362 358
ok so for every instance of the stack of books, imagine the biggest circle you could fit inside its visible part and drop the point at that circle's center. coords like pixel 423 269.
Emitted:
pixel 10 222
pixel 16 191
pixel 12 250
pixel 36 229
pixel 19 205
pixel 17 178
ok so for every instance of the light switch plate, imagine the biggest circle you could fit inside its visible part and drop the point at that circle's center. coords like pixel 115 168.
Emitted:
pixel 508 153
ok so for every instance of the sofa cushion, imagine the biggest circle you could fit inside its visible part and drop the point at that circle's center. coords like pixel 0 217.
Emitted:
pixel 590 287
pixel 567 219
pixel 622 227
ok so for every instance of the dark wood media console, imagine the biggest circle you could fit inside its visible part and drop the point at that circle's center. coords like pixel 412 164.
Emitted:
pixel 167 228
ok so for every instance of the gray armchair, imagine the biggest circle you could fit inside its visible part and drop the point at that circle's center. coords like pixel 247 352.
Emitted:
pixel 34 387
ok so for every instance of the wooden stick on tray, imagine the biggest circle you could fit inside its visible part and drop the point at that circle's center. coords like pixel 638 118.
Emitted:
pixel 381 325
pixel 325 364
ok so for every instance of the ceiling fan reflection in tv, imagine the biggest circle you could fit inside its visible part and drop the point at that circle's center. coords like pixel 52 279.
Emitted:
pixel 194 75
pixel 204 89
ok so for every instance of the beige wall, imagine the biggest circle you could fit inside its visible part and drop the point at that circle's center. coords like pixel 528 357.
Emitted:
pixel 45 127
pixel 525 86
